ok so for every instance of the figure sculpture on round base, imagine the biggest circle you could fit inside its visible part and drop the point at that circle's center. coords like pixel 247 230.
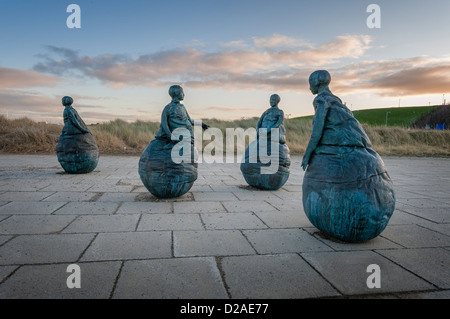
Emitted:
pixel 76 149
pixel 347 191
pixel 266 160
pixel 168 166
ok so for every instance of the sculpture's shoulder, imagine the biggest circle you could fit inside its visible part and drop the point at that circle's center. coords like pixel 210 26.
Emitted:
pixel 68 111
pixel 264 115
pixel 176 110
pixel 273 112
pixel 165 111
pixel 327 98
pixel 277 112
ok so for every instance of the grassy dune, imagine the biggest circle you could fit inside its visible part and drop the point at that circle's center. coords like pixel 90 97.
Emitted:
pixel 397 116
pixel 23 136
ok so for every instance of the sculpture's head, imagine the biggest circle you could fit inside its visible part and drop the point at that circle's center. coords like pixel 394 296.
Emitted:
pixel 176 93
pixel 274 100
pixel 67 100
pixel 319 79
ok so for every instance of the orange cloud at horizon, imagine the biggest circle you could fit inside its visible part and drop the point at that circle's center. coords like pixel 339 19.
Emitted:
pixel 16 78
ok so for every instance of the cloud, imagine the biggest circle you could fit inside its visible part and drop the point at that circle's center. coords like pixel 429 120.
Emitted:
pixel 238 44
pixel 16 78
pixel 402 77
pixel 278 41
pixel 21 102
pixel 239 68
pixel 26 100
pixel 276 62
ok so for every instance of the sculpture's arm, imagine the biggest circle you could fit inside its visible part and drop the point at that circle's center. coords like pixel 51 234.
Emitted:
pixel 204 125
pixel 281 133
pixel 316 135
pixel 258 125
pixel 280 118
pixel 189 118
pixel 165 124
pixel 75 123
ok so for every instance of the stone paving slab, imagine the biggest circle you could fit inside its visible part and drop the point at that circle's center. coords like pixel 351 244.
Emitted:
pixel 87 208
pixel 347 271
pixel 210 243
pixel 70 197
pixel 222 239
pixel 30 208
pixel 188 278
pixel 280 241
pixel 170 222
pixel 4 239
pixel 34 224
pixel 198 207
pixel 414 236
pixel 129 245
pixel 24 196
pixel 274 276
pixel 433 266
pixel 40 249
pixel 232 221
pixel 103 224
pixel 145 208
pixel 252 206
pixel 284 219
pixel 49 282
pixel 6 271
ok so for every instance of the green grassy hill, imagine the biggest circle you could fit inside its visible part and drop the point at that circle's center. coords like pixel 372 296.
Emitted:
pixel 396 116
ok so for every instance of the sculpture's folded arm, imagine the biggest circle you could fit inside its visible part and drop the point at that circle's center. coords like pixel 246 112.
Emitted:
pixel 321 106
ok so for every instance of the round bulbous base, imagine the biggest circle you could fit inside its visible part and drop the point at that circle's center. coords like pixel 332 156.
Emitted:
pixel 161 175
pixel 77 154
pixel 348 196
pixel 270 176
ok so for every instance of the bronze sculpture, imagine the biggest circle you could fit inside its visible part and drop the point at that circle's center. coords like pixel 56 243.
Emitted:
pixel 347 191
pixel 258 172
pixel 159 168
pixel 76 149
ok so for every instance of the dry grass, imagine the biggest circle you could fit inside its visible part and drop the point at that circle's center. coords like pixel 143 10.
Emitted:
pixel 23 136
pixel 121 137
pixel 403 142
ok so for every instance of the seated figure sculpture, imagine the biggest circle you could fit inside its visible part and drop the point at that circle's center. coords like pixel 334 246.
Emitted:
pixel 161 175
pixel 252 165
pixel 347 191
pixel 76 149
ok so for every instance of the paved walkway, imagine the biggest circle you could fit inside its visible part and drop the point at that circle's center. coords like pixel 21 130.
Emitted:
pixel 220 240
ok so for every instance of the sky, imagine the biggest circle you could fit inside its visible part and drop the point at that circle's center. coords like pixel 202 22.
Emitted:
pixel 229 56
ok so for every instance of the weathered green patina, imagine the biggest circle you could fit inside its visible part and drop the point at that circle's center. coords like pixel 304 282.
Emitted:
pixel 277 170
pixel 76 149
pixel 161 175
pixel 347 191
